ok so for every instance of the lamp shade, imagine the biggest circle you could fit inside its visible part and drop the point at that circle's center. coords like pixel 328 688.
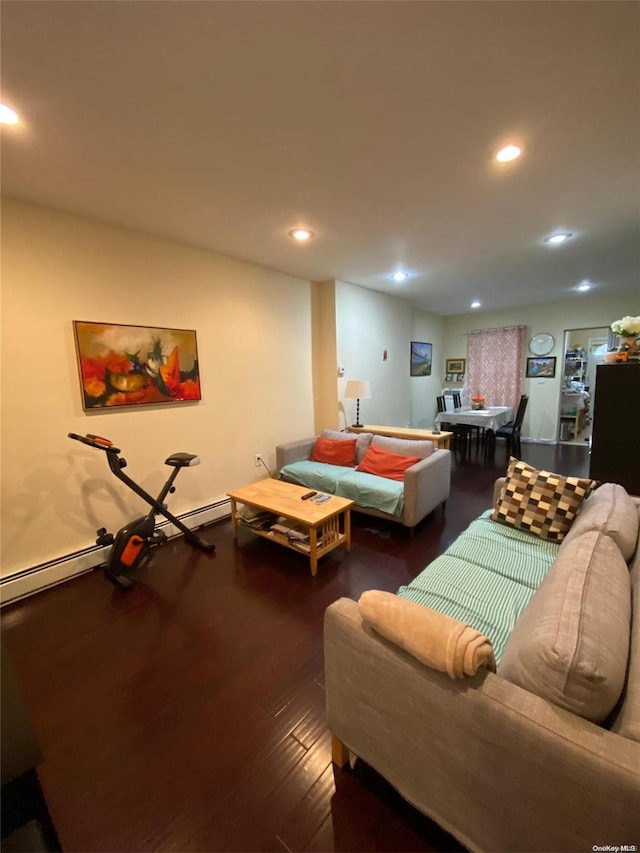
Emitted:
pixel 358 389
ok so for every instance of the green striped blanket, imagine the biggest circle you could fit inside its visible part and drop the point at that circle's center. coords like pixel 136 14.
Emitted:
pixel 485 578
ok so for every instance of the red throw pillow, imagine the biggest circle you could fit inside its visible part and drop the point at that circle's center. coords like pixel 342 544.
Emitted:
pixel 384 463
pixel 335 451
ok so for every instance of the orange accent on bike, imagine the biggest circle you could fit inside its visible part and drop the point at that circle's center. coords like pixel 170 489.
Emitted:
pixel 99 440
pixel 131 550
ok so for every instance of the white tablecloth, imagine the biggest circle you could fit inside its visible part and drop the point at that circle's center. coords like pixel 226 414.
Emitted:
pixel 492 418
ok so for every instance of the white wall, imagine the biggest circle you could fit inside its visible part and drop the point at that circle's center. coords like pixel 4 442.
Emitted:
pixel 369 323
pixel 541 419
pixel 428 328
pixel 254 344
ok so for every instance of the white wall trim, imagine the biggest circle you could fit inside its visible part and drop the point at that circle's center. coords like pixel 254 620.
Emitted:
pixel 26 582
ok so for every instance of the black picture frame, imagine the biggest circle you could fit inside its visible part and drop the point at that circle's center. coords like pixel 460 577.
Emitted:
pixel 541 367
pixel 421 359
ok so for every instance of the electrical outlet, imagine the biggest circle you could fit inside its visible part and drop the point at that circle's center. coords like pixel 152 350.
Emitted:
pixel 258 460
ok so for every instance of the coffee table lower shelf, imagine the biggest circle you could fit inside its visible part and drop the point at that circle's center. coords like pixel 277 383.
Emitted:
pixel 328 524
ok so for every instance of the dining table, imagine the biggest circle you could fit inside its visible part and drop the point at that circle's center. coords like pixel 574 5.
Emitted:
pixel 487 420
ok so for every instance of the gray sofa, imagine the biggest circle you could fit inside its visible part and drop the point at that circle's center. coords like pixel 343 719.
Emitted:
pixel 542 755
pixel 426 483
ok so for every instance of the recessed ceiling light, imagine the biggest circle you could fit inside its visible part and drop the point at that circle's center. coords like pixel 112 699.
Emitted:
pixel 7 115
pixel 560 237
pixel 476 303
pixel 509 152
pixel 584 286
pixel 301 234
pixel 400 276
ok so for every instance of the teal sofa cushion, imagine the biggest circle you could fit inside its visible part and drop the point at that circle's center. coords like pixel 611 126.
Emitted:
pixel 513 553
pixel 485 578
pixel 367 490
pixel 317 475
pixel 371 491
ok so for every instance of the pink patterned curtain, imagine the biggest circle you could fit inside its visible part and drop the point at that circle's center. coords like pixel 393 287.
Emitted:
pixel 494 365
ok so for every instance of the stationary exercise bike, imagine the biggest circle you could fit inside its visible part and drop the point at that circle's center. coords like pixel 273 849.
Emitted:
pixel 132 541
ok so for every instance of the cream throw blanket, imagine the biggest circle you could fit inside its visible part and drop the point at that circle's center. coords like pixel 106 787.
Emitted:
pixel 437 640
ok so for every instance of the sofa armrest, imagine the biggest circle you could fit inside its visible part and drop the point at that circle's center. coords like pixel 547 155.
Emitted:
pixel 294 451
pixel 496 766
pixel 426 484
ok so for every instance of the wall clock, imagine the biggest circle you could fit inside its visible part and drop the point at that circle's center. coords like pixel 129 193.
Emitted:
pixel 541 344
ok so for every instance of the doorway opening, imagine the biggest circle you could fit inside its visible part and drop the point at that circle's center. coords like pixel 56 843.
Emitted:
pixel 584 349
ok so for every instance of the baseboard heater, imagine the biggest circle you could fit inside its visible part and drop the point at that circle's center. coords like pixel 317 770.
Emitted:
pixel 28 581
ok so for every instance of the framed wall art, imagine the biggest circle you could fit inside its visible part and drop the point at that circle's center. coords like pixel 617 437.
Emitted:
pixel 135 365
pixel 456 365
pixel 541 368
pixel 421 359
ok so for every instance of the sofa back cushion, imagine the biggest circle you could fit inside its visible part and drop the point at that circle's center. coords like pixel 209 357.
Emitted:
pixel 609 509
pixel 363 440
pixel 334 451
pixel 541 502
pixel 571 643
pixel 403 446
pixel 383 463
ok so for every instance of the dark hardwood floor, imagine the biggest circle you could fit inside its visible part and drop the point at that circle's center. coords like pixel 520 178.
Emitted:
pixel 188 713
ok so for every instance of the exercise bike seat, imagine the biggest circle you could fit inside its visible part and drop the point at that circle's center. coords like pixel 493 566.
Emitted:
pixel 181 460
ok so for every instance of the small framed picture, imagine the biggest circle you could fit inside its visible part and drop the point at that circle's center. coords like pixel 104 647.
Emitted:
pixel 421 358
pixel 459 377
pixel 449 377
pixel 541 368
pixel 456 365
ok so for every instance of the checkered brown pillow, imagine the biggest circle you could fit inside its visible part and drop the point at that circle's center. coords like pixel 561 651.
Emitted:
pixel 538 501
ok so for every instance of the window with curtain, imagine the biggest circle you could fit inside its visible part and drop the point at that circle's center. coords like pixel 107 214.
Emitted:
pixel 494 365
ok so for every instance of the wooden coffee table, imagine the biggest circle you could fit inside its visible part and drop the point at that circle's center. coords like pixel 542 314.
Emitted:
pixel 328 524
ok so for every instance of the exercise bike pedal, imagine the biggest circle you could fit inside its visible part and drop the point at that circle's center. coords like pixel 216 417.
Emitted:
pixel 104 538
pixel 158 537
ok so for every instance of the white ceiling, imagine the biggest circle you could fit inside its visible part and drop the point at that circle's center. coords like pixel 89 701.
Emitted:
pixel 224 124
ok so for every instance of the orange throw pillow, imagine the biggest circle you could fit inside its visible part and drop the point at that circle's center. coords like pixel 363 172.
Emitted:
pixel 335 451
pixel 384 463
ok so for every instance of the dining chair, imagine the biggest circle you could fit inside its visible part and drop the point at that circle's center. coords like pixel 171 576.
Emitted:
pixel 511 431
pixel 461 432
pixel 468 429
pixel 442 407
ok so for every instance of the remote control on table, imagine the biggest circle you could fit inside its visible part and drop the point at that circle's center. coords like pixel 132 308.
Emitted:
pixel 308 495
pixel 321 499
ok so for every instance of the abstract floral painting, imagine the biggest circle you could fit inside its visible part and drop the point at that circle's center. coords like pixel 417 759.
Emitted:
pixel 134 365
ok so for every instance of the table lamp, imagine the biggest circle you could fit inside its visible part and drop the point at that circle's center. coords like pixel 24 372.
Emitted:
pixel 358 389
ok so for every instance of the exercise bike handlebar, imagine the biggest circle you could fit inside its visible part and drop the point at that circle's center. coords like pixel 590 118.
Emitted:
pixel 95 441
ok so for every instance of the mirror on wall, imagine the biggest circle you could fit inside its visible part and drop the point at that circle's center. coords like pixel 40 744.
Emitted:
pixel 584 349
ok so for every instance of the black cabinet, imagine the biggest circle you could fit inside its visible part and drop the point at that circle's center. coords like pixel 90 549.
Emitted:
pixel 615 448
